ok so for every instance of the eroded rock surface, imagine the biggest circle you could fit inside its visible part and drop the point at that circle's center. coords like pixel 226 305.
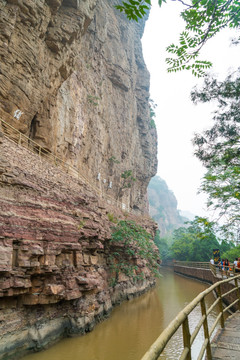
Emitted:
pixel 73 79
pixel 54 254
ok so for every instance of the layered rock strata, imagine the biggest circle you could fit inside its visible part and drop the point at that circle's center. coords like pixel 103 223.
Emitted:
pixel 73 79
pixel 54 254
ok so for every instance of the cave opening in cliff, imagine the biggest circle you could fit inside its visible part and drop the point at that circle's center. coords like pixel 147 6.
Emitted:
pixel 33 127
pixel 70 3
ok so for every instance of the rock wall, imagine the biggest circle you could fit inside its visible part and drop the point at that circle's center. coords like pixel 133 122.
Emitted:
pixel 54 254
pixel 73 79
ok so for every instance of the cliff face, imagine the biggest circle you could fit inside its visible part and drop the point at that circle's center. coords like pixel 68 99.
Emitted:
pixel 73 79
pixel 55 252
pixel 163 206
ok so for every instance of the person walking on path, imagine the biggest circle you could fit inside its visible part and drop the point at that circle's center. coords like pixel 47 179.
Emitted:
pixel 227 267
pixel 238 266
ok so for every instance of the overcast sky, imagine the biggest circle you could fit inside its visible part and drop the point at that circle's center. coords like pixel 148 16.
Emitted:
pixel 177 118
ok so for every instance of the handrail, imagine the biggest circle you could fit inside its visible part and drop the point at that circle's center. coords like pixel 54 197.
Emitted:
pixel 182 320
pixel 221 270
pixel 195 264
pixel 22 140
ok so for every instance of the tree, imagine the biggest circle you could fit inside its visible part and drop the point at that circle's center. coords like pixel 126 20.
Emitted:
pixel 163 244
pixel 182 245
pixel 232 254
pixel 127 182
pixel 135 10
pixel 197 241
pixel 219 147
pixel 203 19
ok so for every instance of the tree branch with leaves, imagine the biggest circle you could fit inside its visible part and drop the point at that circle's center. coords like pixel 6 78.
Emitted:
pixel 203 20
pixel 218 148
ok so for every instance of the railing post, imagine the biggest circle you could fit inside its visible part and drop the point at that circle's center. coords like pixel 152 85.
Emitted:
pixel 186 338
pixel 221 305
pixel 221 271
pixel 213 269
pixel 238 292
pixel 20 139
pixel 205 328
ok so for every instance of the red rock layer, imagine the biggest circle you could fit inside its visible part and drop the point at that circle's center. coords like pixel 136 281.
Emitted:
pixel 54 249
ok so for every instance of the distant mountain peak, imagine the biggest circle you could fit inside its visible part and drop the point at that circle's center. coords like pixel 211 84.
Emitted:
pixel 163 206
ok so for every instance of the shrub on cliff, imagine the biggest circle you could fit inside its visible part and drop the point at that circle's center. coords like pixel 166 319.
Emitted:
pixel 132 250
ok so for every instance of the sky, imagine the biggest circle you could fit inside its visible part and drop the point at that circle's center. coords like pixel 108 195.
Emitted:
pixel 177 118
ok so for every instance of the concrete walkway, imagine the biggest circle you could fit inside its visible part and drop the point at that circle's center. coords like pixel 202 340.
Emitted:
pixel 226 344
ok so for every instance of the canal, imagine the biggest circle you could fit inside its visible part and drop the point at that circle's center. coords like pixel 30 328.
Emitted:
pixel 134 325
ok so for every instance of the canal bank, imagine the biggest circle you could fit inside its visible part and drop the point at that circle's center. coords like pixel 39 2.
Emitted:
pixel 134 325
pixel 207 276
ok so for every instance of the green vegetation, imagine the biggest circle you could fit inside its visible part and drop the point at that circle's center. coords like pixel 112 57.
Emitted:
pixel 130 243
pixel 128 179
pixel 193 243
pixel 127 182
pixel 164 244
pixel 152 124
pixel 203 20
pixel 81 224
pixel 152 107
pixel 219 149
pixel 113 160
pixel 112 218
pixel 232 254
pixel 135 10
pixel 93 100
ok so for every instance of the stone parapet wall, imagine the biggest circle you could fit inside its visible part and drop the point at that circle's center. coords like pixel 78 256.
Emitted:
pixel 207 276
pixel 201 274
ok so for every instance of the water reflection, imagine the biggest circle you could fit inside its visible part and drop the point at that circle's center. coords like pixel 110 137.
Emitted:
pixel 134 325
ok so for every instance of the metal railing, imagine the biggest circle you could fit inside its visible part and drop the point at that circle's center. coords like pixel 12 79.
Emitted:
pixel 182 320
pixel 22 140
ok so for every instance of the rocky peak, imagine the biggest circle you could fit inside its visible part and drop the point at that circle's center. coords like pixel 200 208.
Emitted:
pixel 163 206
